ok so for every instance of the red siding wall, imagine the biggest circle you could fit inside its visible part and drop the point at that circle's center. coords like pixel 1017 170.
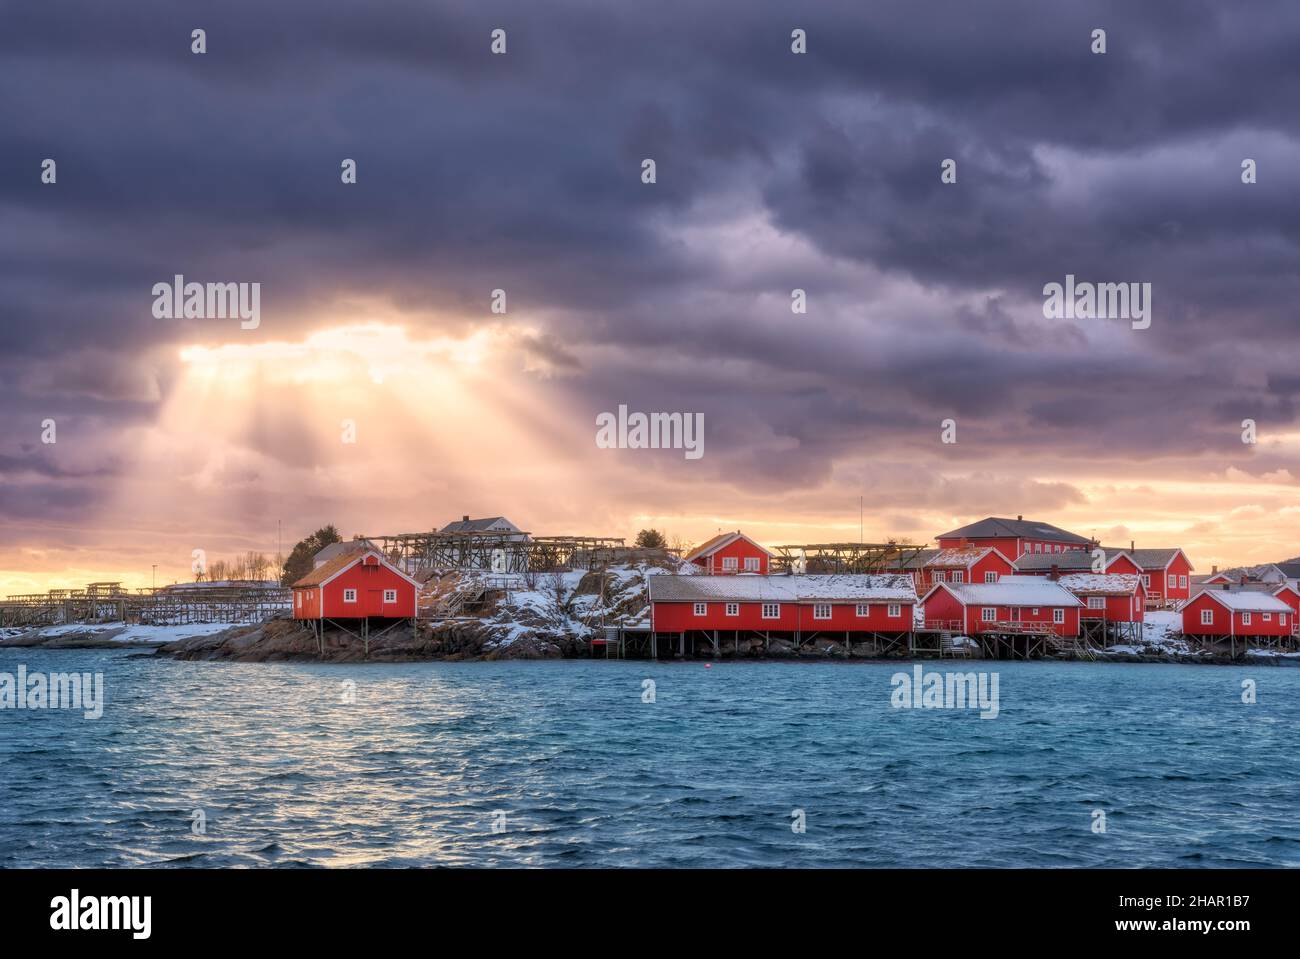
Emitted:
pixel 1182 587
pixel 370 583
pixel 740 549
pixel 943 606
pixel 992 563
pixel 680 617
pixel 1012 547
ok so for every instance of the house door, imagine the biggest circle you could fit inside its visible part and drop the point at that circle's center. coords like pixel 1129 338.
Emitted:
pixel 1016 612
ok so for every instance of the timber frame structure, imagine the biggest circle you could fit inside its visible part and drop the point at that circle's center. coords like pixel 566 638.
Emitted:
pixel 844 557
pixel 497 552
pixel 165 606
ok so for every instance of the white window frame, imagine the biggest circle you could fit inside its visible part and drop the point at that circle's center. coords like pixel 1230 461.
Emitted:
pixel 988 614
pixel 1146 580
pixel 938 576
pixel 1281 619
pixel 1182 582
pixel 1171 581
pixel 895 609
pixel 1038 547
pixel 349 596
pixel 1245 619
pixel 733 609
pixel 752 564
pixel 864 609
pixel 1207 617
pixel 701 609
pixel 729 564
pixel 821 610
pixel 958 576
pixel 1267 617
pixel 1058 615
pixel 771 611
pixel 1096 602
pixel 990 576
pixel 390 596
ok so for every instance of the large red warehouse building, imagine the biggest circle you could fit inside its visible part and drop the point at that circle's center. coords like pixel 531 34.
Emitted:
pixel 1014 537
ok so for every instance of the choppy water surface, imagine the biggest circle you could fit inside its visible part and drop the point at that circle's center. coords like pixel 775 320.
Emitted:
pixel 417 770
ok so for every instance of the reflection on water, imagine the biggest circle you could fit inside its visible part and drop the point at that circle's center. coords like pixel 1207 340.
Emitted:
pixel 583 773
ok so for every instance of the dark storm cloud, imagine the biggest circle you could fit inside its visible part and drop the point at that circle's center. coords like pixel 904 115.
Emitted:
pixel 521 172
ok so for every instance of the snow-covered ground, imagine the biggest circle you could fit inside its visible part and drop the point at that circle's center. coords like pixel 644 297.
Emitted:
pixel 120 633
pixel 1162 632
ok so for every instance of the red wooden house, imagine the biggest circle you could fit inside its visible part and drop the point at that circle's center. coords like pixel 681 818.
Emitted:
pixel 731 553
pixel 1290 595
pixel 1021 604
pixel 1114 604
pixel 970 564
pixel 1166 574
pixel 1219 613
pixel 352 589
pixel 1014 537
pixel 801 607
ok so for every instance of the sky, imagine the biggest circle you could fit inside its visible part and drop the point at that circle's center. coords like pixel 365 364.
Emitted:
pixel 523 172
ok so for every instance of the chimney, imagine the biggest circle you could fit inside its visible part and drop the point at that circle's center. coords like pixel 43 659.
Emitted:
pixel 1019 517
pixel 465 518
pixel 1056 572
pixel 1132 545
pixel 1213 570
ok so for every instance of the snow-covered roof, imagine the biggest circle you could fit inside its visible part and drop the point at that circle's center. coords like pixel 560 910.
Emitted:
pixel 848 587
pixel 1101 584
pixel 964 556
pixel 1010 591
pixel 1242 600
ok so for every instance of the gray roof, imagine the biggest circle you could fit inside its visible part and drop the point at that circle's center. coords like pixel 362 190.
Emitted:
pixel 911 561
pixel 1069 559
pixel 1291 569
pixel 848 587
pixel 1022 528
pixel 327 553
pixel 476 525
pixel 1153 558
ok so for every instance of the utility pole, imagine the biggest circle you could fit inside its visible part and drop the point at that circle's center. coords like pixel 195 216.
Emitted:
pixel 155 575
pixel 860 536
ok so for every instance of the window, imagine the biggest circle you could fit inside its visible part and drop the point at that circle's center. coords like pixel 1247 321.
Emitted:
pixel 729 563
pixel 390 596
pixel 821 610
pixel 349 596
pixel 1096 602
pixel 958 576
pixel 1056 548
pixel 990 577
pixel 1182 582
pixel 771 610
pixel 297 599
pixel 701 609
pixel 1245 619
pixel 938 576
pixel 864 609
pixel 1146 581
pixel 1173 581
pixel 1281 618
pixel 733 609
pixel 751 564
pixel 1267 617
pixel 895 609
pixel 1035 613
pixel 988 614
pixel 1038 547
pixel 1207 617
pixel 1058 615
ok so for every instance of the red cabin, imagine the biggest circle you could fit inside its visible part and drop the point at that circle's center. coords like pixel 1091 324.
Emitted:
pixel 971 564
pixel 1014 537
pixel 1166 574
pixel 1223 613
pixel 1108 597
pixel 1291 596
pixel 1019 605
pixel 358 585
pixel 731 553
